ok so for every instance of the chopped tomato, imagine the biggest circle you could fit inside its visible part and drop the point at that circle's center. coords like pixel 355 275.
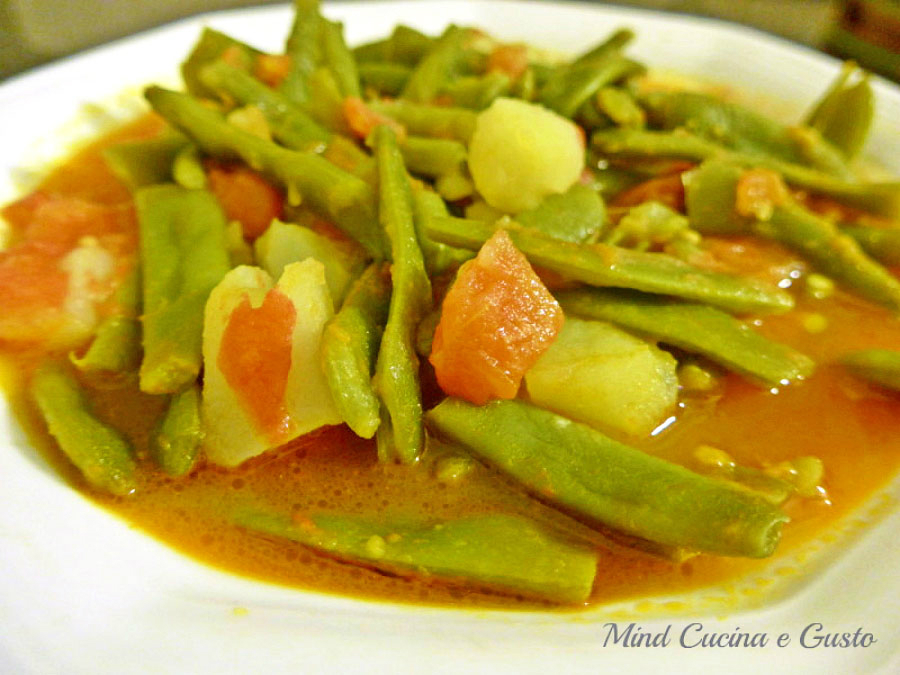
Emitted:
pixel 246 197
pixel 667 189
pixel 272 68
pixel 497 320
pixel 758 192
pixel 255 358
pixel 362 119
pixel 511 60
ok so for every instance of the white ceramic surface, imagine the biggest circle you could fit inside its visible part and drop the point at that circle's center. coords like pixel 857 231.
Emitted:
pixel 82 592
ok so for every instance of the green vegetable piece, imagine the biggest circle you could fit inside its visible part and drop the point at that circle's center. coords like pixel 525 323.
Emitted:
pixel 304 47
pixel 187 168
pixel 709 197
pixel 401 434
pixel 577 215
pixel 145 162
pixel 183 256
pixel 697 329
pixel 600 375
pixel 504 551
pixel 175 445
pixel 881 366
pixel 580 469
pixel 283 243
pixel 430 120
pixel 387 79
pixel 740 129
pixel 844 114
pixel 438 257
pixel 405 46
pixel 619 106
pixel 115 352
pixel 831 252
pixel 650 224
pixel 881 244
pixel 879 198
pixel 433 157
pixel 436 67
pixel 350 344
pixel 604 265
pixel 613 44
pixel 571 87
pixel 102 455
pixel 210 47
pixel 339 58
pixel 342 198
pixel 478 92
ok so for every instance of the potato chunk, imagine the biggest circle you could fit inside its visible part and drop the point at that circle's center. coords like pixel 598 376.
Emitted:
pixel 521 152
pixel 605 377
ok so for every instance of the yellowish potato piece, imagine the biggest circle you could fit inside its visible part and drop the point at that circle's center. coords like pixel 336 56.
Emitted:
pixel 231 433
pixel 521 152
pixel 605 377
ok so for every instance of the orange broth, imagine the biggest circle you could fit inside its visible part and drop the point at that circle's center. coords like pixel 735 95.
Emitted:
pixel 852 426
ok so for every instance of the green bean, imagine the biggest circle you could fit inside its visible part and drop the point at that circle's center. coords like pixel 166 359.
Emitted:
pixel 694 328
pixel 881 366
pixel 569 89
pixel 350 344
pixel 577 215
pixel 832 252
pixel 880 198
pixel 844 114
pixel 183 256
pixel 188 170
pixel 405 46
pixel 344 199
pixel 339 58
pixel 883 244
pixel 400 434
pixel 430 120
pixel 326 103
pixel 478 92
pixel 438 257
pixel 211 46
pixel 433 71
pixel 581 470
pixel 739 128
pixel 604 265
pixel 709 197
pixel 304 47
pixel 144 162
pixel 387 79
pixel 503 551
pixel 620 107
pixel 433 157
pixel 115 352
pixel 613 44
pixel 175 445
pixel 102 455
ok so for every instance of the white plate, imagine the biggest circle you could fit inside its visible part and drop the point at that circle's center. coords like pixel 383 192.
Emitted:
pixel 82 592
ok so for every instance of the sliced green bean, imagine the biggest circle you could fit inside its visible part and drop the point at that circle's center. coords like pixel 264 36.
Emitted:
pixel 211 46
pixel 102 455
pixel 339 58
pixel 604 265
pixel 477 92
pixel 145 162
pixel 115 352
pixel 883 244
pixel 694 328
pixel 401 434
pixel 570 88
pixel 580 469
pixel 175 445
pixel 613 44
pixel 438 257
pixel 430 120
pixel 183 256
pixel 405 46
pixel 844 113
pixel 350 345
pixel 577 215
pixel 503 551
pixel 387 79
pixel 304 47
pixel 881 366
pixel 436 67
pixel 343 198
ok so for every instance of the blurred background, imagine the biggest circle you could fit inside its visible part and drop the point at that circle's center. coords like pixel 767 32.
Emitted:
pixel 36 31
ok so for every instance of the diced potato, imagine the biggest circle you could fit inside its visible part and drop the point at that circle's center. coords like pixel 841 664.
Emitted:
pixel 521 152
pixel 284 243
pixel 605 377
pixel 232 433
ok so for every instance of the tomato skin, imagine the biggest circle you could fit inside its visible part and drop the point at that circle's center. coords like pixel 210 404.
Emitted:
pixel 246 197
pixel 496 321
pixel 362 120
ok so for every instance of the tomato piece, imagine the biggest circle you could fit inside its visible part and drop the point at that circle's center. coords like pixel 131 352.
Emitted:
pixel 511 60
pixel 272 68
pixel 496 321
pixel 246 197
pixel 758 192
pixel 667 189
pixel 255 358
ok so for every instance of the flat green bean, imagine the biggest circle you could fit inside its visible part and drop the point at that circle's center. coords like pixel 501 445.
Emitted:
pixel 881 366
pixel 176 441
